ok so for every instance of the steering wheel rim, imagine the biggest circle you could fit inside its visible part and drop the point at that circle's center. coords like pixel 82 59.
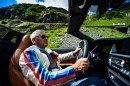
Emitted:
pixel 83 53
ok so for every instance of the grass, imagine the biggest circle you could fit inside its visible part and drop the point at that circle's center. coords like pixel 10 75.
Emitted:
pixel 53 35
pixel 57 31
pixel 107 32
pixel 103 22
pixel 111 33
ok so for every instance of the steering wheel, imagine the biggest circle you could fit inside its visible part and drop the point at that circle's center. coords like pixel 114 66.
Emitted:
pixel 83 53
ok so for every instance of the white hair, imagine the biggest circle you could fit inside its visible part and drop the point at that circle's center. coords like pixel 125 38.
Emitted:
pixel 34 34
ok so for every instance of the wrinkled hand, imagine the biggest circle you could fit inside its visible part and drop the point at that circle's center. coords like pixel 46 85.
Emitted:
pixel 76 51
pixel 81 64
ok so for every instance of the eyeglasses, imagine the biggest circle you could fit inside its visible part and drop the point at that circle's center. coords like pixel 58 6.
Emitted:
pixel 44 36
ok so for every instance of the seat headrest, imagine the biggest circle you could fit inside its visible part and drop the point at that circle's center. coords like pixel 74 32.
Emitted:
pixel 25 43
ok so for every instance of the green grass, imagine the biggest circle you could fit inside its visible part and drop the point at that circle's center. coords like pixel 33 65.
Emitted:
pixel 53 35
pixel 102 22
pixel 109 33
pixel 56 29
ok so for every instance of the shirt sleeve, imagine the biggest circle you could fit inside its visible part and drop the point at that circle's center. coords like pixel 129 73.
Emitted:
pixel 35 71
pixel 61 57
pixel 65 56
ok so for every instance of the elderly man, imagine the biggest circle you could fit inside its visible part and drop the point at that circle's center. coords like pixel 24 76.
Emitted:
pixel 41 66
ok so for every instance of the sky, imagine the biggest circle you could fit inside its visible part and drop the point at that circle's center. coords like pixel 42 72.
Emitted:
pixel 55 3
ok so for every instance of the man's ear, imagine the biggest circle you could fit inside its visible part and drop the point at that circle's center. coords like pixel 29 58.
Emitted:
pixel 33 40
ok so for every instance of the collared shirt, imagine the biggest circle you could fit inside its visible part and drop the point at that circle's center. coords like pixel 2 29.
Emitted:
pixel 35 67
pixel 53 64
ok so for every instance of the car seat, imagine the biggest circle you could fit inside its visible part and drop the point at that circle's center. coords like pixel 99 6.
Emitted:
pixel 15 73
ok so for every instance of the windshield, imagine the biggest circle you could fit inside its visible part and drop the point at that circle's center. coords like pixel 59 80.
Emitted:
pixel 114 23
pixel 26 16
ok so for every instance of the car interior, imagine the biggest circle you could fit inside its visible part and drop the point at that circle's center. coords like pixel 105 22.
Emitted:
pixel 109 57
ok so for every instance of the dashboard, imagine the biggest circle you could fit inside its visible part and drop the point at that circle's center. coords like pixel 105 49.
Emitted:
pixel 124 47
pixel 119 63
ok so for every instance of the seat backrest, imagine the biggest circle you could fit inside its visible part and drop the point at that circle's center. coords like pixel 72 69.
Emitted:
pixel 15 73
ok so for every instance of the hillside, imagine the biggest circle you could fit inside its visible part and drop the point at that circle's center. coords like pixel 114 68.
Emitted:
pixel 34 13
pixel 28 17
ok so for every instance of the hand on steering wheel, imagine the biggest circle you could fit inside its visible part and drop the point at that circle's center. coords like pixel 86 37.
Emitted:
pixel 83 53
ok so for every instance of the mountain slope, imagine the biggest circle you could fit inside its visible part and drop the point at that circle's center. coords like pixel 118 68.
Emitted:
pixel 33 13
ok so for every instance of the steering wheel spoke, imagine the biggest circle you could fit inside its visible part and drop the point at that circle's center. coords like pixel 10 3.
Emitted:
pixel 84 49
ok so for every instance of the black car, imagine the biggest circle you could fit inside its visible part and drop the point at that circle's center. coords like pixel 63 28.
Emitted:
pixel 109 56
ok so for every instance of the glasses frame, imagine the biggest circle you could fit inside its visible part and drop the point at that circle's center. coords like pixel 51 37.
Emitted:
pixel 43 36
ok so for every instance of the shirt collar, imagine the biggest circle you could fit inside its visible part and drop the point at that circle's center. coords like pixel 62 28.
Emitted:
pixel 41 49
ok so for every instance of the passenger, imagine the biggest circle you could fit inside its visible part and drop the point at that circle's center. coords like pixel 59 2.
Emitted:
pixel 41 66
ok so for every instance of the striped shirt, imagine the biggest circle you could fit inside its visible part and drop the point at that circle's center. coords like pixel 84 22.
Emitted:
pixel 35 65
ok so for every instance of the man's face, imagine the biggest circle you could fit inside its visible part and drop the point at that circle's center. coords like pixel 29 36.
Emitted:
pixel 42 40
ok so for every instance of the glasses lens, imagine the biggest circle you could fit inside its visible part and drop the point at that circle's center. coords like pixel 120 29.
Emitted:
pixel 44 36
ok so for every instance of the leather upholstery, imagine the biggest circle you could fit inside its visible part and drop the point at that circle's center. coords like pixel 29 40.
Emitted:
pixel 15 73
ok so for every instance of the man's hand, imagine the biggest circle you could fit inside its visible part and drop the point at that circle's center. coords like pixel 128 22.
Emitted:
pixel 81 64
pixel 76 51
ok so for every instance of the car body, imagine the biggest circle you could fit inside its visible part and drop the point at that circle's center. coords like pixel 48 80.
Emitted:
pixel 109 57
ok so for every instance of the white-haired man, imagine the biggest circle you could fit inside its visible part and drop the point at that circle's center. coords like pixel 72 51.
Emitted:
pixel 41 66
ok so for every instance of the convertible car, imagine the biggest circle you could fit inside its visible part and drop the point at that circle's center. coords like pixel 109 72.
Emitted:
pixel 109 57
